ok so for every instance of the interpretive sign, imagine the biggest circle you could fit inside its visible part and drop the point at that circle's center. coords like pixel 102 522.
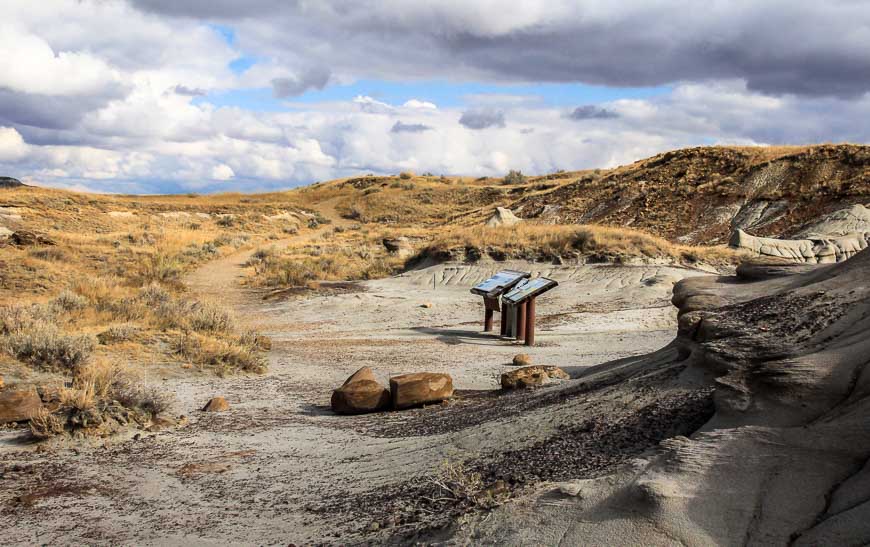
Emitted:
pixel 529 289
pixel 499 283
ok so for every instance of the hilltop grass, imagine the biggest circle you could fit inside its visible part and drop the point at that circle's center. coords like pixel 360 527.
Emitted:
pixel 547 242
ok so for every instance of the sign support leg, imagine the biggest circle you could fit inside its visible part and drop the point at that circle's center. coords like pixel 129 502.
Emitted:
pixel 487 321
pixel 530 323
pixel 521 321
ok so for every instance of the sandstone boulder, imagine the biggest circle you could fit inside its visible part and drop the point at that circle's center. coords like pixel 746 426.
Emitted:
pixel 217 404
pixel 419 388
pixel 18 406
pixel 23 238
pixel 502 217
pixel 532 377
pixel 360 393
pixel 522 360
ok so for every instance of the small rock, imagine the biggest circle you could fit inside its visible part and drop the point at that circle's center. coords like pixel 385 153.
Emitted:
pixel 532 377
pixel 569 489
pixel 522 360
pixel 374 526
pixel 18 406
pixel 419 388
pixel 360 393
pixel 426 305
pixel 1 383
pixel 217 404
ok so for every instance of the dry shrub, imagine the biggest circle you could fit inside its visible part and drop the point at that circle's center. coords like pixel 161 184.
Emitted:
pixel 68 301
pixel 406 175
pixel 108 381
pixel 161 267
pixel 45 424
pixel 193 315
pixel 118 333
pixel 332 264
pixel 51 254
pixel 19 318
pixel 43 345
pixel 456 484
pixel 225 356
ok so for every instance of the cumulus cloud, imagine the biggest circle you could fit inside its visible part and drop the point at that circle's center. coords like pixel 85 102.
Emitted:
pixel 86 102
pixel 414 103
pixel 312 78
pixel 189 91
pixel 776 46
pixel 482 119
pixel 222 172
pixel 592 112
pixel 400 127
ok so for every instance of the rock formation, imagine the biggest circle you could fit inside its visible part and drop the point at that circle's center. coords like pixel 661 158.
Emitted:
pixel 399 246
pixel 216 404
pixel 18 406
pixel 360 393
pixel 533 376
pixel 783 456
pixel 502 217
pixel 419 388
pixel 819 250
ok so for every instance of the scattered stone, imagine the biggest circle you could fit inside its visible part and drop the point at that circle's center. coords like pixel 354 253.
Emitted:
pixel 9 182
pixel 569 489
pixel 399 246
pixel 360 393
pixel 217 404
pixel 532 377
pixel 426 305
pixel 18 406
pixel 419 388
pixel 522 360
pixel 502 217
pixel 24 238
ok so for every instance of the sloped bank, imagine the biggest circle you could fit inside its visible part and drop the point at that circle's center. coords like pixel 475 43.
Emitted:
pixel 784 458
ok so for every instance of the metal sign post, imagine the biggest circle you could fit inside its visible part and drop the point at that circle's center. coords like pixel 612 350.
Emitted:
pixel 491 290
pixel 522 297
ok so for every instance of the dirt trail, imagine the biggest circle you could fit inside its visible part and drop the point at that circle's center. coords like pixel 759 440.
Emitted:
pixel 269 471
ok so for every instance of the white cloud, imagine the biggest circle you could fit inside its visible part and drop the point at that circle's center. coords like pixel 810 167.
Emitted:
pixel 12 146
pixel 414 103
pixel 222 172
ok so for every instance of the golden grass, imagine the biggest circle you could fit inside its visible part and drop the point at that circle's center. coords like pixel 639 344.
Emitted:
pixel 542 241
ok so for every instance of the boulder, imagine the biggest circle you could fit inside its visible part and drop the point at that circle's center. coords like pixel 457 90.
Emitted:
pixel 24 238
pixel 399 246
pixel 1 383
pixel 815 250
pixel 532 377
pixel 419 388
pixel 18 406
pixel 217 404
pixel 360 393
pixel 5 232
pixel 522 360
pixel 502 217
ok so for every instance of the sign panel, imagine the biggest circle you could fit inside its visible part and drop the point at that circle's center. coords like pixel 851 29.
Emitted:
pixel 529 289
pixel 500 282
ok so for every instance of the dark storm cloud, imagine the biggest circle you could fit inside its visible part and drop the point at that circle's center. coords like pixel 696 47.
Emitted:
pixel 400 127
pixel 315 78
pixel 592 112
pixel 482 119
pixel 49 111
pixel 777 46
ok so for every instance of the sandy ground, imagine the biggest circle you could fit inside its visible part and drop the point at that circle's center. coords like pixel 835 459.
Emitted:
pixel 279 467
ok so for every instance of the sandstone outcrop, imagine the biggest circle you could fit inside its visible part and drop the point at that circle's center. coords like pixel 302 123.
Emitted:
pixel 533 376
pixel 360 393
pixel 18 406
pixel 419 388
pixel 502 217
pixel 216 404
pixel 826 250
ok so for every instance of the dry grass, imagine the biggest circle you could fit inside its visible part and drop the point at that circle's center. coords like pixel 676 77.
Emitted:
pixel 546 242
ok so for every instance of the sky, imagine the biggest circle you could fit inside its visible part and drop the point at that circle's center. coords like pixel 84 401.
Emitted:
pixel 164 96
